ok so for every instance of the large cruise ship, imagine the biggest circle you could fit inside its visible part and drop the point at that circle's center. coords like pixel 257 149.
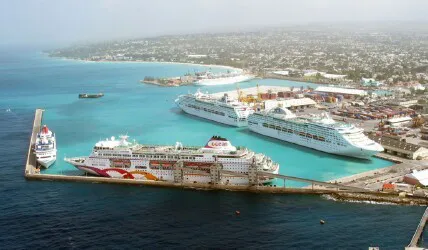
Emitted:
pixel 210 79
pixel 45 147
pixel 223 110
pixel 319 132
pixel 124 159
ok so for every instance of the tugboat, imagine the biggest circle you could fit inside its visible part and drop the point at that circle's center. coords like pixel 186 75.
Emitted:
pixel 84 95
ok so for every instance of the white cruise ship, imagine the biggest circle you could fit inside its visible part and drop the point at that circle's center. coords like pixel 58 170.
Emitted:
pixel 210 79
pixel 45 147
pixel 318 132
pixel 124 159
pixel 224 110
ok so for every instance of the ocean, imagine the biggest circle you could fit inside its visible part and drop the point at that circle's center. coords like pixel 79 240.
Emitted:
pixel 75 215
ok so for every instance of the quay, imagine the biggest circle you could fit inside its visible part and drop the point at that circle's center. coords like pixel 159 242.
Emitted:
pixel 418 233
pixel 31 163
pixel 338 189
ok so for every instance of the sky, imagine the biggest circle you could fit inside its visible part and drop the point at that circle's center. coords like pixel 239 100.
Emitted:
pixel 70 21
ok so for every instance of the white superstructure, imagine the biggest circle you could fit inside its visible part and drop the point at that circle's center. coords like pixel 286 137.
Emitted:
pixel 223 110
pixel 124 159
pixel 210 79
pixel 45 147
pixel 319 132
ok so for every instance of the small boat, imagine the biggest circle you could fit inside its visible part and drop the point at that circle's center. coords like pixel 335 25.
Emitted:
pixel 91 95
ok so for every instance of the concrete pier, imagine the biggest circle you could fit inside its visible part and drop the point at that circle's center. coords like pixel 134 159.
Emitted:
pixel 417 235
pixel 31 163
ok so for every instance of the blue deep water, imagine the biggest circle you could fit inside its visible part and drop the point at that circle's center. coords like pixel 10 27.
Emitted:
pixel 63 215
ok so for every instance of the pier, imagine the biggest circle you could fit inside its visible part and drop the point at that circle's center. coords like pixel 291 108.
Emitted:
pixel 338 190
pixel 31 163
pixel 418 233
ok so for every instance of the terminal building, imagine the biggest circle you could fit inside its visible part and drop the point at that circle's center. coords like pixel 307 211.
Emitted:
pixel 341 91
pixel 292 104
pixel 401 148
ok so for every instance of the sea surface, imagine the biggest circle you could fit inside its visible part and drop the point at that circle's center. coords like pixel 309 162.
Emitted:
pixel 74 215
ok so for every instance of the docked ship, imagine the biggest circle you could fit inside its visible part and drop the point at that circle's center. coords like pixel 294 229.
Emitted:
pixel 210 79
pixel 120 158
pixel 319 132
pixel 45 147
pixel 224 110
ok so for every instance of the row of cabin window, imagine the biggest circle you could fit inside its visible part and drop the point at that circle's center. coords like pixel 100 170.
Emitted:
pixel 151 156
pixel 319 138
pixel 206 109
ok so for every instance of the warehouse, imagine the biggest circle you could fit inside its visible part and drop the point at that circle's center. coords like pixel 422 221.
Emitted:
pixel 341 91
pixel 300 103
pixel 401 148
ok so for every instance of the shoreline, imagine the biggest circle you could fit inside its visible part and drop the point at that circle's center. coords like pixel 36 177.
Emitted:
pixel 147 62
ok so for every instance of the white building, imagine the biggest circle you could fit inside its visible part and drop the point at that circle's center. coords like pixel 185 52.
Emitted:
pixel 197 56
pixel 282 72
pixel 334 76
pixel 290 103
pixel 343 91
pixel 417 178
pixel 403 102
pixel 398 121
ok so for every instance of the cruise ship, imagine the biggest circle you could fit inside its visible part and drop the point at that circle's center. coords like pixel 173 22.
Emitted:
pixel 121 158
pixel 319 132
pixel 210 79
pixel 223 110
pixel 45 147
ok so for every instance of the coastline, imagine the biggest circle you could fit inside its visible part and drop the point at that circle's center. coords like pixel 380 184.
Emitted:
pixel 141 61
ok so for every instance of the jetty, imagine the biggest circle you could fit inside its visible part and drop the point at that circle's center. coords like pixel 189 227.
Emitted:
pixel 339 191
pixel 418 233
pixel 31 163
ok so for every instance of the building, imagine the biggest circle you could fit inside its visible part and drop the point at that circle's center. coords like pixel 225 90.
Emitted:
pixel 334 76
pixel 398 121
pixel 370 82
pixel 401 148
pixel 290 103
pixel 341 91
pixel 417 178
pixel 282 72
pixel 388 187
pixel 403 102
pixel 312 72
pixel 197 56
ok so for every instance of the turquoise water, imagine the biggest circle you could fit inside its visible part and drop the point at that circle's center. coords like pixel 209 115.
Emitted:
pixel 60 215
pixel 147 113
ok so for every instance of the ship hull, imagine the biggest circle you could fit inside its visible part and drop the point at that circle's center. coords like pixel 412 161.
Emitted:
pixel 224 119
pixel 46 162
pixel 310 143
pixel 155 174
pixel 223 81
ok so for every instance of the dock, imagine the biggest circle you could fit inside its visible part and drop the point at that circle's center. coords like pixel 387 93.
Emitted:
pixel 341 191
pixel 31 163
pixel 417 235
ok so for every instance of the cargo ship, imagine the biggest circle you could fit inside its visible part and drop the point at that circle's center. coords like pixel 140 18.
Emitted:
pixel 91 95
pixel 120 158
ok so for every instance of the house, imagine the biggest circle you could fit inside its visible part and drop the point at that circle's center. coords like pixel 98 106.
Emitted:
pixel 370 82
